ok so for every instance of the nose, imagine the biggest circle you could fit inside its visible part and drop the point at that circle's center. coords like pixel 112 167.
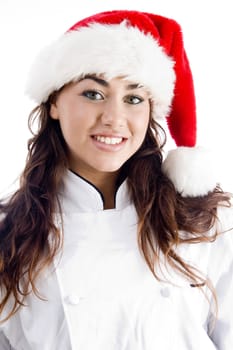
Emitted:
pixel 114 114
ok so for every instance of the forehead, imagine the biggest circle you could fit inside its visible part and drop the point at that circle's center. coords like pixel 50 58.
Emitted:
pixel 120 82
pixel 116 81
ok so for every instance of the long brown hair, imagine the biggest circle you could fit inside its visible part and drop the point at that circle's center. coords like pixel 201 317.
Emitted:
pixel 163 212
pixel 30 238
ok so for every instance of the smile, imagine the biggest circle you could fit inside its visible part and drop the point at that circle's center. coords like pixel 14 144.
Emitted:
pixel 109 140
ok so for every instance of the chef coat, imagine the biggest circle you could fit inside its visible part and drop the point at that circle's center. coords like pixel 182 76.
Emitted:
pixel 100 294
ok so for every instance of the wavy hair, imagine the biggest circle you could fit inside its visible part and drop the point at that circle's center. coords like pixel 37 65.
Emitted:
pixel 30 238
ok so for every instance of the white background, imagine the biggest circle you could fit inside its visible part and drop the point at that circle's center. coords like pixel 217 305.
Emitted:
pixel 28 25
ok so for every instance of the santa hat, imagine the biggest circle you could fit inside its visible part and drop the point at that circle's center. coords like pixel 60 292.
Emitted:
pixel 144 48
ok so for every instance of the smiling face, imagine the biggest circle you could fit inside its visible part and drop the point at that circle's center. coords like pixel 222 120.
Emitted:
pixel 103 123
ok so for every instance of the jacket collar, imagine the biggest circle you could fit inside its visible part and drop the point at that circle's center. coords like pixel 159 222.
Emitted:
pixel 79 195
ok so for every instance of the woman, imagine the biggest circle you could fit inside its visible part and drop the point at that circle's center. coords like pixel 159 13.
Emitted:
pixel 105 245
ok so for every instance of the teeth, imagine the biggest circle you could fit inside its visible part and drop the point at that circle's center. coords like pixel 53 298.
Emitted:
pixel 109 140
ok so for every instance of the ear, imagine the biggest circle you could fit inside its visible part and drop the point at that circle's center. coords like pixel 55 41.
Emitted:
pixel 54 111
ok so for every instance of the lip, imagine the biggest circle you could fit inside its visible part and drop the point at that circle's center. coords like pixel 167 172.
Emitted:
pixel 104 134
pixel 108 147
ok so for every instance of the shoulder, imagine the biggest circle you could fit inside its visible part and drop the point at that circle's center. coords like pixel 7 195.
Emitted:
pixel 225 219
pixel 221 250
pixel 223 246
pixel 213 257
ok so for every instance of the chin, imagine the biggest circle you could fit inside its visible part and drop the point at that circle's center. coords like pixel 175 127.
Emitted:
pixel 109 168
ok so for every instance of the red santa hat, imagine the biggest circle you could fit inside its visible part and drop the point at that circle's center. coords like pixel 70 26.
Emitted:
pixel 146 49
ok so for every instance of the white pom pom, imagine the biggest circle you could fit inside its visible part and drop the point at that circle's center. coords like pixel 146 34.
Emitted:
pixel 192 170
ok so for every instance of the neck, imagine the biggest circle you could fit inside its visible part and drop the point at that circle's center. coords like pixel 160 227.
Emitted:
pixel 108 191
pixel 105 183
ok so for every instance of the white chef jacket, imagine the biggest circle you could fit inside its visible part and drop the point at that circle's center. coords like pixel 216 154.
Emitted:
pixel 101 295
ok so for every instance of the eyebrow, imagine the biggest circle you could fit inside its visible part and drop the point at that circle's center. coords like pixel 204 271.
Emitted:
pixel 106 84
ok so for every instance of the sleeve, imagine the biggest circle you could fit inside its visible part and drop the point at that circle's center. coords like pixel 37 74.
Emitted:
pixel 4 343
pixel 222 275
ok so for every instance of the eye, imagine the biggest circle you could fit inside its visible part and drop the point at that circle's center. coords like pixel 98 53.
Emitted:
pixel 93 95
pixel 133 100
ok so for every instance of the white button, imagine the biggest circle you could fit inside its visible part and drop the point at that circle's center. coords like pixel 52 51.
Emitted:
pixel 165 292
pixel 72 299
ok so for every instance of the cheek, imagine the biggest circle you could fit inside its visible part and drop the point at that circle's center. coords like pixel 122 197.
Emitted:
pixel 70 129
pixel 141 125
pixel 142 117
pixel 69 120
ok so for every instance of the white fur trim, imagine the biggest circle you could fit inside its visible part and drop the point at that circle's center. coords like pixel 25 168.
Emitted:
pixel 191 170
pixel 111 50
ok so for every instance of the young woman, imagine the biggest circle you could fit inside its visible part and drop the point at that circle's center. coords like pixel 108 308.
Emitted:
pixel 105 245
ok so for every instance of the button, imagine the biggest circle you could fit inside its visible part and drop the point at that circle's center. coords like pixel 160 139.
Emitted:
pixel 72 299
pixel 165 292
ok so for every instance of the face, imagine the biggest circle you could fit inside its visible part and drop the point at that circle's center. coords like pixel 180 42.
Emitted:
pixel 103 123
